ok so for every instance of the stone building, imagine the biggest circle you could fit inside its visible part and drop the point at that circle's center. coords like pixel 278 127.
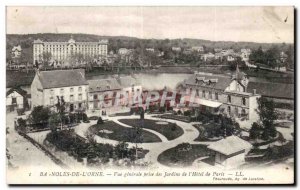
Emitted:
pixel 49 87
pixel 221 94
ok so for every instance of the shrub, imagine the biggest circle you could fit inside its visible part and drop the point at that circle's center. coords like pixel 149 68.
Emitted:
pixel 100 121
pixel 187 113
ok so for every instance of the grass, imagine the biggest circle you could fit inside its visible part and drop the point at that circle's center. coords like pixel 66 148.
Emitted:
pixel 170 130
pixel 207 131
pixel 182 155
pixel 120 133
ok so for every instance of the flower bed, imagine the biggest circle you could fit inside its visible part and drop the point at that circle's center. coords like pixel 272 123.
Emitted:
pixel 170 130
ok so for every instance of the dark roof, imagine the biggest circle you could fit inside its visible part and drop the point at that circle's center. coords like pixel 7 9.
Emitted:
pixel 62 78
pixel 18 90
pixel 103 85
pixel 220 82
pixel 275 90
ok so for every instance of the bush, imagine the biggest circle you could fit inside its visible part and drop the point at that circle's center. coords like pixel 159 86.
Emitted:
pixel 21 111
pixel 187 113
pixel 100 121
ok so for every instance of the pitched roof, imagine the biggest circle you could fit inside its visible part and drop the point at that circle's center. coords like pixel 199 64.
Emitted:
pixel 17 48
pixel 103 85
pixel 220 82
pixel 230 145
pixel 275 90
pixel 18 90
pixel 62 78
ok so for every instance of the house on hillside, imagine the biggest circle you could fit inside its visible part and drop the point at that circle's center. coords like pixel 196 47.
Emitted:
pixel 70 86
pixel 16 99
pixel 230 152
pixel 176 49
pixel 199 49
pixel 16 52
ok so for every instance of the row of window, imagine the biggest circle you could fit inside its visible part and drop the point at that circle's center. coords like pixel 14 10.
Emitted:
pixel 236 111
pixel 210 96
pixel 62 90
pixel 52 99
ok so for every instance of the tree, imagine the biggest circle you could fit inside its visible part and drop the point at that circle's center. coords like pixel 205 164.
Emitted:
pixel 137 137
pixel 267 115
pixel 39 115
pixel 290 57
pixel 54 121
pixel 121 150
pixel 255 131
pixel 47 56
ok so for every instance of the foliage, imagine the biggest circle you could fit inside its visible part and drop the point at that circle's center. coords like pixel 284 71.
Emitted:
pixel 54 121
pixel 21 127
pixel 255 131
pixel 267 115
pixel 270 58
pixel 100 121
pixel 39 115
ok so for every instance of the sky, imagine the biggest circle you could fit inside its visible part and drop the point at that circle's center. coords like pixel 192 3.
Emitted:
pixel 251 24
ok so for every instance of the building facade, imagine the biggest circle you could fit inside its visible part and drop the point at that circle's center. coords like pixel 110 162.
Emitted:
pixel 70 86
pixel 15 99
pixel 16 52
pixel 62 51
pixel 102 91
pixel 221 94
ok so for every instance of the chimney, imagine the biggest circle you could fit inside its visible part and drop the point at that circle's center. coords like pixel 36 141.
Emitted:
pixel 254 91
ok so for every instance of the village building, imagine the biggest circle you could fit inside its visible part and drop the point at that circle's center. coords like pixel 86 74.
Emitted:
pixel 63 51
pixel 245 54
pixel 229 152
pixel 150 50
pixel 130 87
pixel 198 48
pixel 208 56
pixel 222 94
pixel 176 49
pixel 98 93
pixel 70 86
pixel 16 52
pixel 15 99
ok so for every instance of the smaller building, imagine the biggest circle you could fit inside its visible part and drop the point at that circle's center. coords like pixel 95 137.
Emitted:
pixel 176 49
pixel 16 52
pixel 245 54
pixel 198 49
pixel 15 99
pixel 230 152
pixel 150 50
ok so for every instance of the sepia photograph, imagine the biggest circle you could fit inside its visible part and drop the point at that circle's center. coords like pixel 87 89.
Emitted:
pixel 200 95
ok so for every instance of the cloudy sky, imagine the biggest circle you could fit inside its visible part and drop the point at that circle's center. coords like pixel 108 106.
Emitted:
pixel 256 24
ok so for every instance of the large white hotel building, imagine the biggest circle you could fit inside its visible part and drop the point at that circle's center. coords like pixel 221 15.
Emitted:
pixel 61 51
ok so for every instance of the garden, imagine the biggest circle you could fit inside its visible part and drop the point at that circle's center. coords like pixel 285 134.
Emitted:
pixel 96 154
pixel 182 155
pixel 114 131
pixel 170 130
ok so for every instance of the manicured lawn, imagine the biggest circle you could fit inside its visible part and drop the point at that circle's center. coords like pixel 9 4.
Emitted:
pixel 170 130
pixel 182 155
pixel 114 131
pixel 207 132
pixel 176 117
